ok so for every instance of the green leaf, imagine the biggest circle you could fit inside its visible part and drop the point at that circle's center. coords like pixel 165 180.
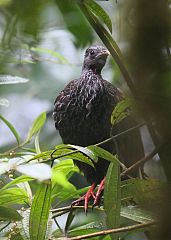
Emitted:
pixel 36 126
pixel 50 52
pixel 59 178
pixel 7 79
pixel 17 180
pixel 13 196
pixel 99 12
pixel 106 38
pixel 37 145
pixel 11 127
pixel 40 212
pixel 9 214
pixel 4 102
pixel 137 214
pixel 102 153
pixel 143 192
pixel 67 167
pixel 69 220
pixel 40 171
pixel 121 111
pixel 112 197
pixel 86 151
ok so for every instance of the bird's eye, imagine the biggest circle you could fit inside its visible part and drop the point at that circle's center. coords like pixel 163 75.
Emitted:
pixel 92 52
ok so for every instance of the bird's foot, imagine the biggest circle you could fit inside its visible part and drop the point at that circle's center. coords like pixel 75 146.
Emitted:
pixel 90 194
pixel 99 193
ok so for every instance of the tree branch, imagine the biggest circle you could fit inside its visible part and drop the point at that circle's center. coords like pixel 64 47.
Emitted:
pixel 100 143
pixel 140 162
pixel 116 230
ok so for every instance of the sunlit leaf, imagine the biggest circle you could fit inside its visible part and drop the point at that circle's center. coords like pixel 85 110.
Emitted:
pixel 67 167
pixel 11 127
pixel 13 196
pixel 39 214
pixel 58 177
pixel 102 153
pixel 121 111
pixel 17 181
pixel 9 214
pixel 40 171
pixel 37 125
pixel 112 197
pixel 86 151
pixel 7 79
pixel 37 145
pixel 99 12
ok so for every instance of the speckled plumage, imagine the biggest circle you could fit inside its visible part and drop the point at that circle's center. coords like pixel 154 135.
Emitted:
pixel 82 113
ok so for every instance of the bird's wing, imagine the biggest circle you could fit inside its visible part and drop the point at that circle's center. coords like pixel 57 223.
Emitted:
pixel 62 101
pixel 129 146
pixel 115 93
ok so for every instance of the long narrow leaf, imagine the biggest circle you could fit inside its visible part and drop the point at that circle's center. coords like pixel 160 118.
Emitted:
pixel 121 111
pixel 109 42
pixel 137 214
pixel 7 79
pixel 11 127
pixel 36 126
pixel 112 197
pixel 99 12
pixel 40 212
pixel 13 196
pixel 17 181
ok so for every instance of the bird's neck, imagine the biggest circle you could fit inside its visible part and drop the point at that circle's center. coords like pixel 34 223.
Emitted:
pixel 90 72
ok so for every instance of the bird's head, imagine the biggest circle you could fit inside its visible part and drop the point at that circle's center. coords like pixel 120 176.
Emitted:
pixel 95 58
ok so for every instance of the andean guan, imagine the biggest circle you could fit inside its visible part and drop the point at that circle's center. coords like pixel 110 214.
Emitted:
pixel 82 115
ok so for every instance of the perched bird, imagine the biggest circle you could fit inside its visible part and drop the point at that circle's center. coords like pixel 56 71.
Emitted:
pixel 82 115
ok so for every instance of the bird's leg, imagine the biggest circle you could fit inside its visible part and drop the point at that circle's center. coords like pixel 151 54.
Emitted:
pixel 99 191
pixel 86 197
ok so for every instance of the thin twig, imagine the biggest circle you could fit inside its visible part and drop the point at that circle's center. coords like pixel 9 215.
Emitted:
pixel 140 162
pixel 60 211
pixel 121 133
pixel 116 230
pixel 102 142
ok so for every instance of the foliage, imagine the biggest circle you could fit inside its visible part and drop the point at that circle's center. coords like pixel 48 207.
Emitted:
pixel 22 166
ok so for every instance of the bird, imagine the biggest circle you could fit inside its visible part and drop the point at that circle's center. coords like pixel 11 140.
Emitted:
pixel 82 113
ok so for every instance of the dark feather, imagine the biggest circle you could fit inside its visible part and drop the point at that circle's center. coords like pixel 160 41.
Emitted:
pixel 82 116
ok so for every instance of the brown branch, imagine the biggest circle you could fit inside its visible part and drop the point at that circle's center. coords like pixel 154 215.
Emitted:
pixel 116 230
pixel 140 162
pixel 60 211
pixel 100 143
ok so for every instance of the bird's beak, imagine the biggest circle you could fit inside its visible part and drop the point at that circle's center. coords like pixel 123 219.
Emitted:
pixel 104 53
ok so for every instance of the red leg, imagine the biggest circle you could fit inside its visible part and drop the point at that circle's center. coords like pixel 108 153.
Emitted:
pixel 86 197
pixel 99 191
